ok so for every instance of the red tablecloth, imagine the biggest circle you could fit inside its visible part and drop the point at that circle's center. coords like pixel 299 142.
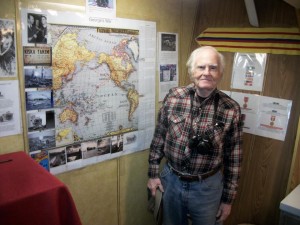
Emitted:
pixel 30 195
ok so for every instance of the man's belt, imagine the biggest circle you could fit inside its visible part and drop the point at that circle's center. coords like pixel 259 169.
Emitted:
pixel 192 178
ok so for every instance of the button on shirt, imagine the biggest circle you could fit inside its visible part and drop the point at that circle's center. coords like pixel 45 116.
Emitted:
pixel 179 119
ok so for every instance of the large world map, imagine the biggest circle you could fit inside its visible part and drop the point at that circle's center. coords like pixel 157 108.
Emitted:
pixel 95 80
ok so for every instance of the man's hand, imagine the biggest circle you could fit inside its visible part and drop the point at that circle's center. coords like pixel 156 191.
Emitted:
pixel 153 184
pixel 223 212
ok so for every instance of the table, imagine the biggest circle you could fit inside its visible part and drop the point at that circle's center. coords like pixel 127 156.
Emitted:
pixel 30 195
pixel 290 208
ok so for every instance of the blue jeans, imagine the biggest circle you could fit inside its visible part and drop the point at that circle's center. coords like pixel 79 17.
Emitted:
pixel 200 199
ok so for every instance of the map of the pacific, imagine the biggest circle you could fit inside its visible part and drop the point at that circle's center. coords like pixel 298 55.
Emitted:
pixel 95 80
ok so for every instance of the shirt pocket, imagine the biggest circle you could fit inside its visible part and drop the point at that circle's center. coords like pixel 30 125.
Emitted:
pixel 215 134
pixel 176 125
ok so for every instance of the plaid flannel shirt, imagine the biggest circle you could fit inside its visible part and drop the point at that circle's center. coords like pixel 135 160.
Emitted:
pixel 178 120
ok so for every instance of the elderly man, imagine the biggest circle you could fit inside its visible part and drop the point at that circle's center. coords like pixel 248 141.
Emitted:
pixel 199 132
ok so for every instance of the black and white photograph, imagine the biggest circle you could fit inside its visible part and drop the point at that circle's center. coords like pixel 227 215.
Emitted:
pixel 73 152
pixel 57 157
pixel 41 120
pixel 6 116
pixel 168 42
pixel 39 100
pixel 89 149
pixel 37 28
pixel 40 77
pixel 7 48
pixel 117 143
pixel 41 140
pixel 105 8
pixel 101 3
pixel 168 72
pixel 131 141
pixel 103 146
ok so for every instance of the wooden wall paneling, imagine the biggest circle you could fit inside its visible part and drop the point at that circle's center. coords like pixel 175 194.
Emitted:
pixel 266 161
pixel 244 201
pixel 226 79
pixel 275 13
pixel 285 85
pixel 294 178
pixel 298 17
pixel 186 34
pixel 265 183
pixel 217 13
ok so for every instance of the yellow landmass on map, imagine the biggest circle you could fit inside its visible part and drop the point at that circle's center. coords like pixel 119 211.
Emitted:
pixel 68 114
pixel 119 69
pixel 133 98
pixel 62 134
pixel 66 53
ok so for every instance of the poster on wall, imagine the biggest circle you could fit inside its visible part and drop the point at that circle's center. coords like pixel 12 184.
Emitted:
pixel 168 62
pixel 102 77
pixel 101 8
pixel 248 71
pixel 273 117
pixel 37 56
pixel 249 104
pixel 10 115
pixel 7 48
pixel 264 116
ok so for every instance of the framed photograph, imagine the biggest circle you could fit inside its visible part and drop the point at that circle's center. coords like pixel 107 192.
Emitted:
pixel 168 72
pixel 37 28
pixel 117 143
pixel 105 8
pixel 73 152
pixel 40 120
pixel 41 140
pixel 103 146
pixel 89 149
pixel 57 157
pixel 36 100
pixel 40 77
pixel 168 42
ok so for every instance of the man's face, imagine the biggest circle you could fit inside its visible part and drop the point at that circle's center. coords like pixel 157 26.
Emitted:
pixel 44 21
pixel 207 73
pixel 31 20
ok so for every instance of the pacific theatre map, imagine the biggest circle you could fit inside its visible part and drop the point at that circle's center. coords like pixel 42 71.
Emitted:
pixel 95 80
